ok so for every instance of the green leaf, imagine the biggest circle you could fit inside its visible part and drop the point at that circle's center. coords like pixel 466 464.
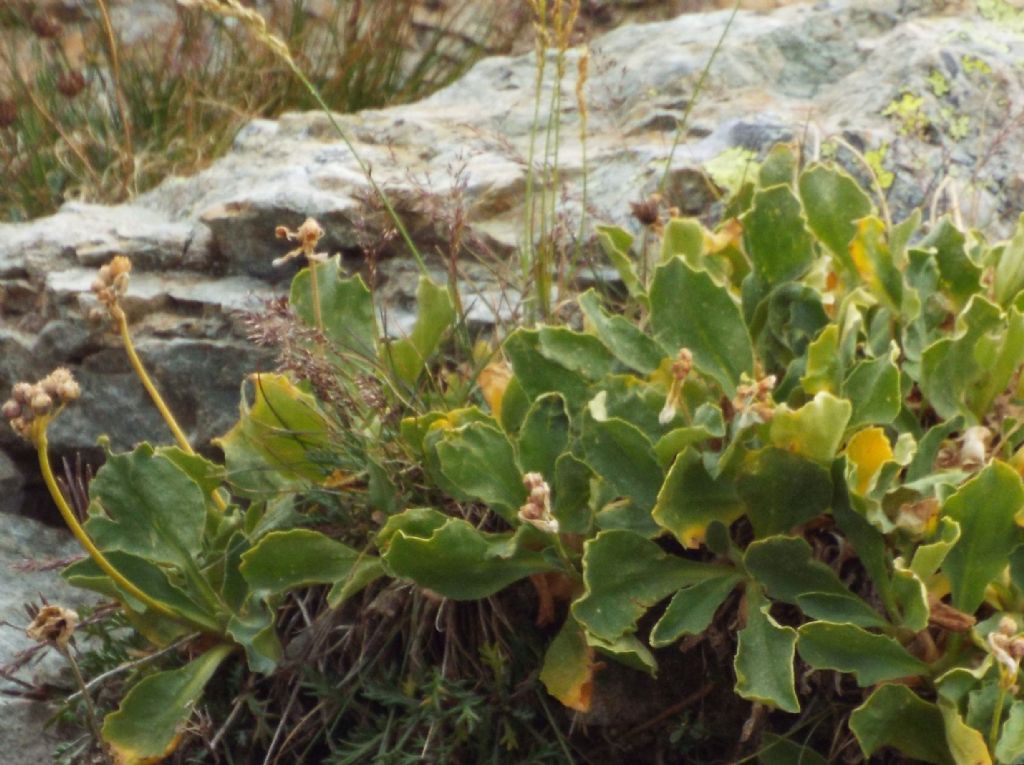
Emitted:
pixel 683 237
pixel 436 313
pixel 985 508
pixel 690 499
pixel 833 202
pixel 479 460
pixel 146 505
pixel 616 243
pixel 209 475
pixel 911 599
pixel 779 167
pixel 279 441
pixel 624 575
pixel 873 387
pixel 346 306
pixel 568 670
pixel 626 650
pixel 848 648
pixel 764 657
pixel 1010 747
pixel 1008 279
pixel 782 490
pixel 895 716
pixel 288 560
pixel 815 430
pixel 538 374
pixel 544 435
pixel 148 724
pixel 459 562
pixel 253 629
pixel 688 310
pixel 578 352
pixel 571 504
pixel 964 373
pixel 785 566
pixel 824 365
pixel 779 244
pixel 929 557
pixel 781 751
pixel 966 744
pixel 623 456
pixel 958 274
pixel 691 609
pixel 148 577
pixel 620 336
pixel 874 262
pixel 707 422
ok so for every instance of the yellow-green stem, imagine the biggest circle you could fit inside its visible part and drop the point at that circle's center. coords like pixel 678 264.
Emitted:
pixel 997 713
pixel 154 394
pixel 40 440
pixel 314 288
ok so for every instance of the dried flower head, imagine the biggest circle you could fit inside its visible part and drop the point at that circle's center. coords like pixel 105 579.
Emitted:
pixel 537 510
pixel 54 625
pixel 71 83
pixel 8 112
pixel 754 398
pixel 31 401
pixel 308 236
pixel 647 211
pixel 974 446
pixel 46 26
pixel 111 284
pixel 681 369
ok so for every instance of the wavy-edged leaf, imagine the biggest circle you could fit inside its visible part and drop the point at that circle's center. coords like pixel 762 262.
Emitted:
pixel 873 387
pixel 869 657
pixel 147 726
pixel 688 310
pixel 764 657
pixel 782 490
pixel 458 561
pixel 539 374
pixel 777 240
pixel 568 669
pixel 287 560
pixel 833 202
pixel 544 435
pixel 692 608
pixel 279 440
pixel 623 456
pixel 621 336
pixel 895 716
pixel 815 430
pixel 984 507
pixel 786 567
pixel 691 498
pixel 346 307
pixel 145 505
pixel 624 575
pixel 479 460
pixel 436 313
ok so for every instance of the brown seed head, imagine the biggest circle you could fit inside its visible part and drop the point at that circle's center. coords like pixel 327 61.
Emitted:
pixel 41 404
pixel 71 83
pixel 8 112
pixel 646 211
pixel 22 392
pixel 46 26
pixel 11 409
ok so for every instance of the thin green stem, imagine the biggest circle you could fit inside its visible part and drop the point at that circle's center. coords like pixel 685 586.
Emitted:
pixel 681 124
pixel 40 440
pixel 997 716
pixel 90 710
pixel 314 288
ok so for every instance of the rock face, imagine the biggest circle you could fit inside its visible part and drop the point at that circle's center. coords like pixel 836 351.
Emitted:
pixel 24 541
pixel 929 92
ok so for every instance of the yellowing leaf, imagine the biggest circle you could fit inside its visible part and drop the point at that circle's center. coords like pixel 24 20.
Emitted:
pixel 568 672
pixel 867 451
pixel 815 430
pixel 493 380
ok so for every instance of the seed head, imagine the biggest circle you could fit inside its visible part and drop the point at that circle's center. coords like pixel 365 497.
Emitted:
pixel 308 235
pixel 537 510
pixel 647 211
pixel 111 284
pixel 46 26
pixel 55 625
pixel 41 404
pixel 11 409
pixel 71 83
pixel 8 112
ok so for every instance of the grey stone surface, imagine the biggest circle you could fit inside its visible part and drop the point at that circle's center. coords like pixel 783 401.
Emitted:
pixel 203 245
pixel 24 541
